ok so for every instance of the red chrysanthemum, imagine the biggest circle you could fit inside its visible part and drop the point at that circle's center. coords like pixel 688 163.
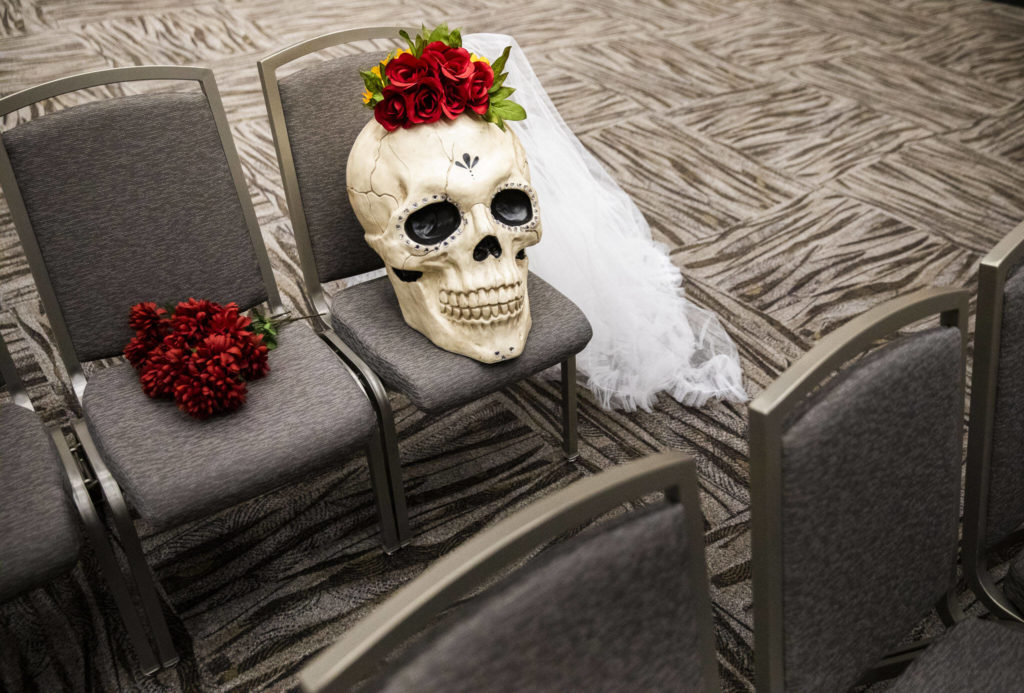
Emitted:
pixel 161 370
pixel 212 382
pixel 148 319
pixel 192 318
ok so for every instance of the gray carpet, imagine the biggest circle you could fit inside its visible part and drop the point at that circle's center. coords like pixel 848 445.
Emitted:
pixel 802 160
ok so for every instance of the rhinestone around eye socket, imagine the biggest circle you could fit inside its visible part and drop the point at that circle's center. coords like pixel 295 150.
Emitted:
pixel 437 246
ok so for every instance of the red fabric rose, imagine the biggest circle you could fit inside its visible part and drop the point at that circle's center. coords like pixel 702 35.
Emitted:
pixel 406 70
pixel 425 102
pixel 452 64
pixel 392 112
pixel 454 102
pixel 479 83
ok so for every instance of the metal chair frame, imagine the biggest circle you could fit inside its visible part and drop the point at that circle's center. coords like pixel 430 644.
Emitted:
pixel 474 563
pixel 268 68
pixel 94 529
pixel 115 501
pixel 992 274
pixel 768 414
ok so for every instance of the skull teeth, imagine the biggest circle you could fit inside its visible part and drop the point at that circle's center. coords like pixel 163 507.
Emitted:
pixel 483 305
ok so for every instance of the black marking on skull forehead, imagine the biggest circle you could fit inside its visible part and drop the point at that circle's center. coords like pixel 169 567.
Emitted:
pixel 468 162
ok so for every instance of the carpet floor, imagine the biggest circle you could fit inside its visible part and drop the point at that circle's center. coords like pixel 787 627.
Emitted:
pixel 802 160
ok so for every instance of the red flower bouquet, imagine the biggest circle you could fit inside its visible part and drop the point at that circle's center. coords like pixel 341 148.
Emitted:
pixel 435 78
pixel 200 354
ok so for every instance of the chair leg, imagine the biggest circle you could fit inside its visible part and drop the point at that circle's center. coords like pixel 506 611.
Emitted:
pixel 949 609
pixel 570 437
pixel 112 575
pixel 132 546
pixel 379 478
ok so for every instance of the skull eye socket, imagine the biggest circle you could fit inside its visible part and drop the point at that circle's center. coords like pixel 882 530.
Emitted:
pixel 512 207
pixel 433 223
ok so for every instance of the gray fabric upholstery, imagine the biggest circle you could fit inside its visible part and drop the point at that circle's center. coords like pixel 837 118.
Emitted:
pixel 976 656
pixel 1006 481
pixel 870 484
pixel 39 531
pixel 324 113
pixel 304 416
pixel 1013 582
pixel 131 199
pixel 609 611
pixel 368 318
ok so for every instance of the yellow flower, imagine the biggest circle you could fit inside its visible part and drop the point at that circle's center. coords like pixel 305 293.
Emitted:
pixel 478 58
pixel 376 70
pixel 367 96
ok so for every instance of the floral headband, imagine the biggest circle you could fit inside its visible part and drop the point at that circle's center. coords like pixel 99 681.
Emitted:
pixel 436 77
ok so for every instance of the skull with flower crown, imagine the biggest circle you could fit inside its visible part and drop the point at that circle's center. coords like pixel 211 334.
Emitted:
pixel 442 190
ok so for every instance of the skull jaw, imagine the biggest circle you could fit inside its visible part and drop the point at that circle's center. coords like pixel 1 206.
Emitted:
pixel 485 341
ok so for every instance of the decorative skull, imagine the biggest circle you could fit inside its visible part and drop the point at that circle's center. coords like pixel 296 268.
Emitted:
pixel 449 208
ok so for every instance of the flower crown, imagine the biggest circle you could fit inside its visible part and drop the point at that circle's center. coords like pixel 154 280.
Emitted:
pixel 436 77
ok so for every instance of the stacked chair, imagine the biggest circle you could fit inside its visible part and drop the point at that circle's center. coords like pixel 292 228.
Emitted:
pixel 622 607
pixel 46 507
pixel 142 198
pixel 855 485
pixel 993 509
pixel 316 112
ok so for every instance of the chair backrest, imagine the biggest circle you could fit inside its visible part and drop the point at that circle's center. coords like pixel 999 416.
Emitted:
pixel 995 448
pixel 623 607
pixel 316 113
pixel 130 199
pixel 855 491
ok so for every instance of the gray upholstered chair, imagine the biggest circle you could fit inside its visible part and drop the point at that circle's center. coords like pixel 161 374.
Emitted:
pixel 316 112
pixel 622 607
pixel 142 198
pixel 855 492
pixel 45 500
pixel 994 493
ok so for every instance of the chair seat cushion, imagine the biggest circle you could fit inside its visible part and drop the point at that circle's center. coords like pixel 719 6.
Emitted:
pixel 305 415
pixel 975 656
pixel 1013 583
pixel 39 531
pixel 367 317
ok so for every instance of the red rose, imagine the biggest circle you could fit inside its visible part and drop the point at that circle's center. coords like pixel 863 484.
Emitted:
pixel 434 54
pixel 425 102
pixel 406 70
pixel 454 101
pixel 453 64
pixel 478 85
pixel 392 112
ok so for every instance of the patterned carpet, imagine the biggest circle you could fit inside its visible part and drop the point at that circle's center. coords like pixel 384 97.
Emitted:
pixel 802 160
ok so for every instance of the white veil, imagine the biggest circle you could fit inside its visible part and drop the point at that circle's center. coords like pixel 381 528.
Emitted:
pixel 598 251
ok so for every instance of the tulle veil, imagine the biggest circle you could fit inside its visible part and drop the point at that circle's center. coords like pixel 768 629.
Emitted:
pixel 597 250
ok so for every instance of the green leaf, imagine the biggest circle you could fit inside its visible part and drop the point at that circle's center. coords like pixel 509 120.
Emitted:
pixel 455 39
pixel 492 117
pixel 499 64
pixel 372 82
pixel 375 99
pixel 499 80
pixel 405 34
pixel 501 93
pixel 508 110
pixel 440 33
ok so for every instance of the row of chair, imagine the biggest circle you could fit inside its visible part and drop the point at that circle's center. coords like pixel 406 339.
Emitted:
pixel 142 197
pixel 856 459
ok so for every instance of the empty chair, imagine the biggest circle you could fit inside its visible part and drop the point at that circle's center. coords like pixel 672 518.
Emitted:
pixel 45 506
pixel 994 492
pixel 142 198
pixel 316 112
pixel 855 492
pixel 622 607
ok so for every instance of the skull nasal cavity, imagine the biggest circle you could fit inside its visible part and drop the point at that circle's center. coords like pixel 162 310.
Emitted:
pixel 488 246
